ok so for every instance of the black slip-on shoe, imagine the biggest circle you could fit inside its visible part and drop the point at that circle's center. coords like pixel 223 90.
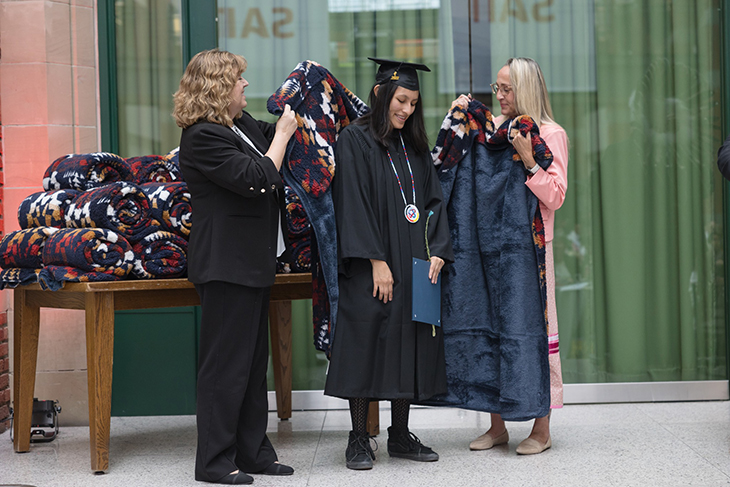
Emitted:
pixel 276 469
pixel 238 478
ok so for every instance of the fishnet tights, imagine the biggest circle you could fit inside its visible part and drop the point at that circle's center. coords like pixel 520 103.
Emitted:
pixel 399 411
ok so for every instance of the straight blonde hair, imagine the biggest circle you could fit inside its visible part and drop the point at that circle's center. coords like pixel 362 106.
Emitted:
pixel 531 95
pixel 205 88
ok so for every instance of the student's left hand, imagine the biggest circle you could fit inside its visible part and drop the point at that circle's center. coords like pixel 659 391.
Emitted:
pixel 436 264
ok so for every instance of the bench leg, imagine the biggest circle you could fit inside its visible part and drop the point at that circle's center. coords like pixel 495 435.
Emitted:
pixel 374 418
pixel 281 355
pixel 25 335
pixel 99 359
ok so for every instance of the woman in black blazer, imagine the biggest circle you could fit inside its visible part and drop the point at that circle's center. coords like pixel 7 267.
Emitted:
pixel 231 164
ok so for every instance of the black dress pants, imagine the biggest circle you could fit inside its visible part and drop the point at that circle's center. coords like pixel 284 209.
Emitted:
pixel 232 406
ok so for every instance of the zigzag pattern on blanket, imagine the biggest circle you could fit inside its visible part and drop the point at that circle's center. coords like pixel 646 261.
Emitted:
pixel 15 276
pixel 86 171
pixel 46 209
pixel 299 233
pixel 89 250
pixel 323 107
pixel 170 206
pixel 24 248
pixel 160 255
pixel 120 206
pixel 154 169
pixel 460 129
pixel 524 125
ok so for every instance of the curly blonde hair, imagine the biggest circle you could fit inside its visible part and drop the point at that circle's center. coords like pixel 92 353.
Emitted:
pixel 205 88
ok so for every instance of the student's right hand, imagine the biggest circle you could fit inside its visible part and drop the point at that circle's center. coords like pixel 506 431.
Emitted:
pixel 382 281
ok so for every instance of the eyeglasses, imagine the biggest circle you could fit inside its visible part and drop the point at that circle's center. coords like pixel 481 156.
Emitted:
pixel 506 89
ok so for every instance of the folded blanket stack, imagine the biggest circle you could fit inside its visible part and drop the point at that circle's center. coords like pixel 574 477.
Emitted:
pixel 87 254
pixel 46 209
pixel 24 248
pixel 160 255
pixel 106 225
pixel 154 169
pixel 86 171
pixel 52 255
pixel 121 207
pixel 170 206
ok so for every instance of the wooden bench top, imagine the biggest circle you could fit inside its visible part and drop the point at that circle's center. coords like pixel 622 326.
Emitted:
pixel 156 284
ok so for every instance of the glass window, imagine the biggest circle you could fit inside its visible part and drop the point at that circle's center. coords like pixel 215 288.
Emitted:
pixel 636 85
pixel 638 243
pixel 149 66
pixel 340 35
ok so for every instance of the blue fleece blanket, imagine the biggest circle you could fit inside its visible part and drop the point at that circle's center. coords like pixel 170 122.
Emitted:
pixel 493 301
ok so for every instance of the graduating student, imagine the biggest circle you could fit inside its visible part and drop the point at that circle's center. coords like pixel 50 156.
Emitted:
pixel 387 199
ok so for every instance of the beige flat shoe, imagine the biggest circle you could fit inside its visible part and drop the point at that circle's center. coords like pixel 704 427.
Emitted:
pixel 531 447
pixel 485 442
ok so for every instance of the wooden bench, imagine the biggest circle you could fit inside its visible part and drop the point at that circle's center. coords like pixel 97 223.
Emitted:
pixel 100 300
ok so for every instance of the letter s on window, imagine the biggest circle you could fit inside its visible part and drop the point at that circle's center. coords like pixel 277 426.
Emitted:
pixel 288 18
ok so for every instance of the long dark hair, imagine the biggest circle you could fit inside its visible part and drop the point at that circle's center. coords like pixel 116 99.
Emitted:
pixel 378 119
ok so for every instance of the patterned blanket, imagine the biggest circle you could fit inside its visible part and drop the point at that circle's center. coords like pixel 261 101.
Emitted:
pixel 170 206
pixel 122 207
pixel 300 231
pixel 154 169
pixel 18 276
pixel 87 254
pixel 86 171
pixel 494 294
pixel 323 107
pixel 24 248
pixel 46 208
pixel 160 255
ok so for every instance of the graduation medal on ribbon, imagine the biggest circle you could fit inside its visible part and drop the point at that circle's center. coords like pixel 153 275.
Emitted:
pixel 412 213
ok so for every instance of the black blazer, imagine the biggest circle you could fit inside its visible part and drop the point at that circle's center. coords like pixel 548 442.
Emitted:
pixel 235 202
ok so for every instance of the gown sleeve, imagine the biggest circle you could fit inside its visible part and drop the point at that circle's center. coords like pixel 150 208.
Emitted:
pixel 353 197
pixel 439 238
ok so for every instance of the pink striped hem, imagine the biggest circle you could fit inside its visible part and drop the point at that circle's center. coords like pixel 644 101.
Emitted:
pixel 553 344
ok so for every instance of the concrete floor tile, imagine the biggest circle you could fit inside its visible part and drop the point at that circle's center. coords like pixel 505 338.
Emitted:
pixel 593 445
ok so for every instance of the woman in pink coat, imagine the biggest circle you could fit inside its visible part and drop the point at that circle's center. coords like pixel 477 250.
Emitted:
pixel 521 90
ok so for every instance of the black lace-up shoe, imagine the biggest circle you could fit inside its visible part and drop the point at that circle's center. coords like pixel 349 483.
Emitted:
pixel 359 455
pixel 404 444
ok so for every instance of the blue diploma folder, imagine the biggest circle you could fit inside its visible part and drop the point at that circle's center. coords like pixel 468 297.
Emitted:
pixel 426 301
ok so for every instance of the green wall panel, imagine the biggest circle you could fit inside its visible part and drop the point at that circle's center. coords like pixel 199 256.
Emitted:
pixel 155 357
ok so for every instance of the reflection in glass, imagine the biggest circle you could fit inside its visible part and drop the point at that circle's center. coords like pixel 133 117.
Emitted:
pixel 149 66
pixel 636 84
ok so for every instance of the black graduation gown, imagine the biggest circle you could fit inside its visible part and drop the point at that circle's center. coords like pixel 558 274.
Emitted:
pixel 377 350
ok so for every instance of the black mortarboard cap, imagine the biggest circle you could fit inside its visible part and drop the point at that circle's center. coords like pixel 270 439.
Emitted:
pixel 398 72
